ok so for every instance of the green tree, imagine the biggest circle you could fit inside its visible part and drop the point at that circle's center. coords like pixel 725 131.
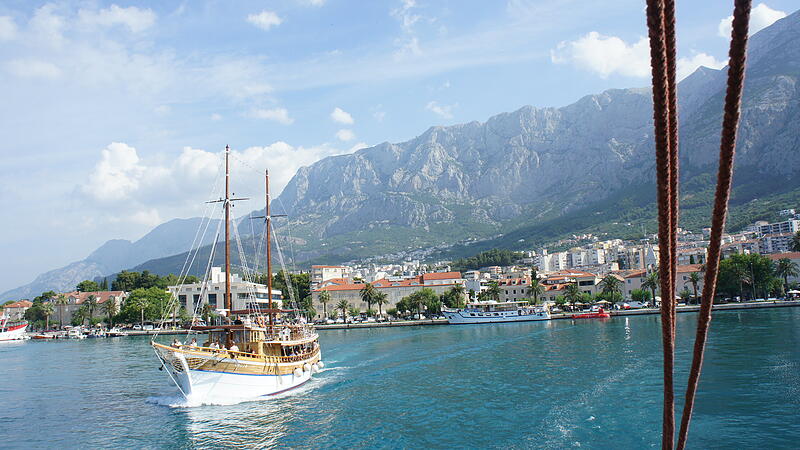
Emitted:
pixel 572 293
pixel 425 297
pixel 150 304
pixel 343 305
pixel 640 295
pixel 324 298
pixel 353 311
pixel 652 282
pixel 307 305
pixel 368 294
pixel 104 284
pixel 494 291
pixel 392 312
pixel 110 307
pixel 752 270
pixel 44 297
pixel 87 286
pixel 61 301
pixel 206 312
pixel 611 288
pixel 47 311
pixel 91 305
pixel 80 316
pixel 685 295
pixel 535 290
pixel 694 278
pixel 796 242
pixel 786 268
pixel 381 299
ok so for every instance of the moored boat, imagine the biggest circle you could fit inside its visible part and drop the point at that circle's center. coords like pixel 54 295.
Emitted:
pixel 12 331
pixel 496 312
pixel 595 313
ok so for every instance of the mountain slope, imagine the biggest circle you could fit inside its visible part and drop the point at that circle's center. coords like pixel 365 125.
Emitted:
pixel 168 238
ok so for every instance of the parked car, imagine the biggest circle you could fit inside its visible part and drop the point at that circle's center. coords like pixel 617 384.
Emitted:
pixel 148 327
pixel 137 327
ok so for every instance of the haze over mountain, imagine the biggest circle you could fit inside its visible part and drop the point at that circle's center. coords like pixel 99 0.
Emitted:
pixel 531 175
pixel 168 238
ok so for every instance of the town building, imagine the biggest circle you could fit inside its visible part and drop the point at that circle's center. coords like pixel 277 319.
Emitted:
pixel 324 273
pixel 16 310
pixel 787 226
pixel 244 294
pixel 395 289
pixel 775 243
pixel 791 256
pixel 75 299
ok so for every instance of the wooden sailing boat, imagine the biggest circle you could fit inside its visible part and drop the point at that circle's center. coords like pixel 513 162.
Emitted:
pixel 247 357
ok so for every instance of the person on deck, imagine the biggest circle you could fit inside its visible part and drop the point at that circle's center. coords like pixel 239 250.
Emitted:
pixel 193 344
pixel 234 347
pixel 176 343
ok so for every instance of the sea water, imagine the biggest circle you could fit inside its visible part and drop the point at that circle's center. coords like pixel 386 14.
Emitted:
pixel 556 384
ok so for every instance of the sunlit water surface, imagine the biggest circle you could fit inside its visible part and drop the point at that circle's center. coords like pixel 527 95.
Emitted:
pixel 591 384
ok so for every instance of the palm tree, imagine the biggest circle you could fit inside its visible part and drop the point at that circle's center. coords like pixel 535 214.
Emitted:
pixel 139 303
pixel 694 278
pixel 111 310
pixel 786 268
pixel 457 291
pixel 652 282
pixel 494 291
pixel 343 305
pixel 91 304
pixel 572 293
pixel 796 242
pixel 368 294
pixel 381 299
pixel 62 302
pixel 324 298
pixel 47 310
pixel 611 285
pixel 535 290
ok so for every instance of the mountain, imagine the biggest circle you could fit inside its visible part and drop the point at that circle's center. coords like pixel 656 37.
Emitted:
pixel 169 238
pixel 536 175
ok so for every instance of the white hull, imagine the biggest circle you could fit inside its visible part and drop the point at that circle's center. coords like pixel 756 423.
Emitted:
pixel 465 317
pixel 13 335
pixel 208 386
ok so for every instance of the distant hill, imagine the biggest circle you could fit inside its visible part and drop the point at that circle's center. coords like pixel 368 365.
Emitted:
pixel 168 238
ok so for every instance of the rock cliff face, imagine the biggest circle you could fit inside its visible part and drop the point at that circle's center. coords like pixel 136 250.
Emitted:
pixel 518 166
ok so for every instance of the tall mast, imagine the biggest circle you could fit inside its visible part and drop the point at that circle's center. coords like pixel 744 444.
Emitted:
pixel 228 302
pixel 269 251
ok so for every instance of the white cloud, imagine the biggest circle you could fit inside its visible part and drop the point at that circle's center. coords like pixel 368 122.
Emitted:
pixel 116 175
pixel 47 26
pixel 8 28
pixel 379 115
pixel 345 135
pixel 265 19
pixel 341 116
pixel 132 17
pixel 147 217
pixel 443 111
pixel 216 116
pixel 688 65
pixel 280 115
pixel 162 110
pixel 313 2
pixel 761 17
pixel 32 68
pixel 408 44
pixel 605 55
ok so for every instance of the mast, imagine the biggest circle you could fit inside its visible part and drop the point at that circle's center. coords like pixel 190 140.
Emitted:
pixel 269 252
pixel 228 304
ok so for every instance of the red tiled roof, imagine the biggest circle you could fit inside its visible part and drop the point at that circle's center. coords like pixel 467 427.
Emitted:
pixel 19 304
pixel 789 255
pixel 636 274
pixel 441 276
pixel 102 296
pixel 688 268
pixel 378 284
pixel 327 267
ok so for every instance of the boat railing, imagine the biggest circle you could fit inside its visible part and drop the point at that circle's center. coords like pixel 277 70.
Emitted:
pixel 225 353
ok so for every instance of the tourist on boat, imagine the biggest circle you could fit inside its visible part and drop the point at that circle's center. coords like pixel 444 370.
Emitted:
pixel 214 345
pixel 234 347
pixel 193 344
pixel 176 343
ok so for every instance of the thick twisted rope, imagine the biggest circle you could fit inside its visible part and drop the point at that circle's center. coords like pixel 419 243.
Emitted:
pixel 661 122
pixel 670 35
pixel 727 150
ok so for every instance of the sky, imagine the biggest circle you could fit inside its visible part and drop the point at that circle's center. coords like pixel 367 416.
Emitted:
pixel 115 114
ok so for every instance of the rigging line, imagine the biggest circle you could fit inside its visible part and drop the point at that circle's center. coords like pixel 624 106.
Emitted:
pixel 207 272
pixel 733 100
pixel 669 32
pixel 291 239
pixel 286 277
pixel 658 56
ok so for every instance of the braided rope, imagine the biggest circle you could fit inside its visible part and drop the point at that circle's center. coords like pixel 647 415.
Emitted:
pixel 727 151
pixel 661 121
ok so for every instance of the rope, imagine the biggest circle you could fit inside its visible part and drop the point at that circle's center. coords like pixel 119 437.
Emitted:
pixel 661 122
pixel 733 100
pixel 669 31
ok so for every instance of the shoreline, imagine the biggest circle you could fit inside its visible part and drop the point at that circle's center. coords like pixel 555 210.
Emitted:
pixel 568 316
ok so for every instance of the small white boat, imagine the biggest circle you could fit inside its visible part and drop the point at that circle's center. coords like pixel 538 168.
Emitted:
pixel 496 312
pixel 75 333
pixel 117 332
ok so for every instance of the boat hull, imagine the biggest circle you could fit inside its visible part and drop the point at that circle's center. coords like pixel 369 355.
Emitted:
pixel 465 317
pixel 224 380
pixel 14 332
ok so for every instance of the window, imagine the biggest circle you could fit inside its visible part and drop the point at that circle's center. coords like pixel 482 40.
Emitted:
pixel 182 300
pixel 212 298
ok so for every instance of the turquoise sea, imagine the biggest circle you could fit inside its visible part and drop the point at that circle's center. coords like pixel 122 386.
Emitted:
pixel 560 384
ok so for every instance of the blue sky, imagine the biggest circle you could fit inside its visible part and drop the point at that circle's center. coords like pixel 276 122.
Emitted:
pixel 115 112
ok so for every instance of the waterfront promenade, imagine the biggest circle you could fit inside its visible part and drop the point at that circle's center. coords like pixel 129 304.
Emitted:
pixel 561 316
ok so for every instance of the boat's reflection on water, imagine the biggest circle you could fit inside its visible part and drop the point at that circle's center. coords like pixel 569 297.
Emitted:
pixel 250 424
